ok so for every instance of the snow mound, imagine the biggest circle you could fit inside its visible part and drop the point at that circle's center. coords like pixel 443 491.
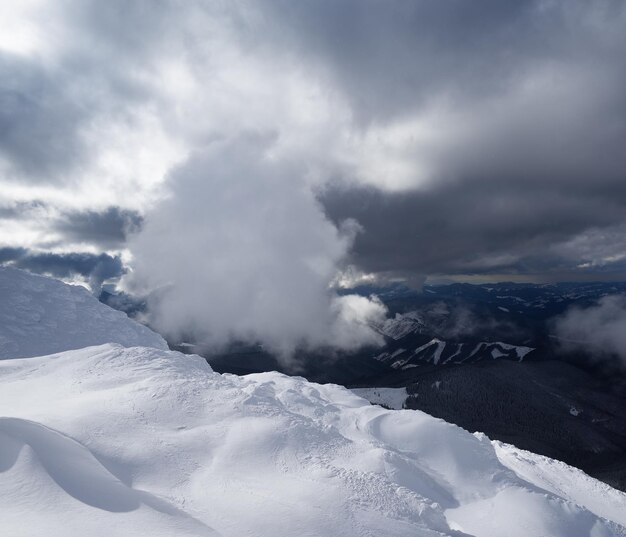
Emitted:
pixel 139 441
pixel 40 315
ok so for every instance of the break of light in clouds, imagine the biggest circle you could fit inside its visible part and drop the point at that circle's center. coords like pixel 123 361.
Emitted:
pixel 274 143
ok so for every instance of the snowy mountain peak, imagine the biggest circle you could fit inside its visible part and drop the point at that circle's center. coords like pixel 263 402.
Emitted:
pixel 401 325
pixel 40 315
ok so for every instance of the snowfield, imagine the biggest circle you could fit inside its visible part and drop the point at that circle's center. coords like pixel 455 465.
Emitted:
pixel 114 441
pixel 40 315
pixel 140 441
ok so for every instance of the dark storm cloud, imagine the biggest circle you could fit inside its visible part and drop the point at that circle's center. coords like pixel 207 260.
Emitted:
pixel 8 254
pixel 100 267
pixel 492 228
pixel 47 108
pixel 39 120
pixel 96 268
pixel 539 184
pixel 107 229
pixel 391 57
pixel 519 165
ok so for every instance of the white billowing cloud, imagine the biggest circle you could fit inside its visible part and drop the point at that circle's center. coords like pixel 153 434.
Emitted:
pixel 599 330
pixel 243 132
pixel 241 250
pixel 353 316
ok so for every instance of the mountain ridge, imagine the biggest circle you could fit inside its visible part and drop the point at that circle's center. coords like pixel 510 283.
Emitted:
pixel 142 441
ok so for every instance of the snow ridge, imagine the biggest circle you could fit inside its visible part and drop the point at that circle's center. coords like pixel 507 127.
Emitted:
pixel 139 441
pixel 40 315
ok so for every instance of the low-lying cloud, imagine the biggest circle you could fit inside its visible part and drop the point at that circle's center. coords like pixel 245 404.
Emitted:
pixel 599 330
pixel 241 250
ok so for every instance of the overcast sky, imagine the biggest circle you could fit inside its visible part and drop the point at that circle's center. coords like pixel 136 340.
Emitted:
pixel 281 143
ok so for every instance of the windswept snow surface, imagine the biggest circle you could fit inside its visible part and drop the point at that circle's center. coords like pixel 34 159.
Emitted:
pixel 573 484
pixel 389 397
pixel 40 315
pixel 109 441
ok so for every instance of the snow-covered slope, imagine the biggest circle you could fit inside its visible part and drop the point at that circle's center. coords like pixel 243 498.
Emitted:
pixel 401 325
pixel 40 315
pixel 113 441
pixel 419 338
pixel 388 397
